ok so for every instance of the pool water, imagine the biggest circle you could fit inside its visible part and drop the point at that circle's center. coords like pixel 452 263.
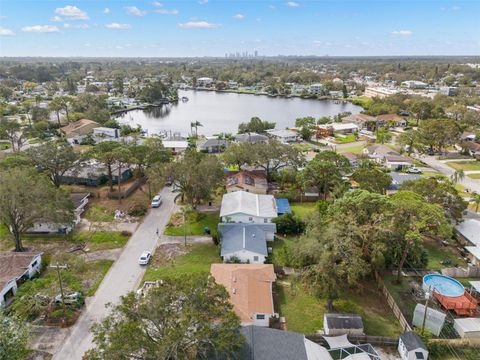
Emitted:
pixel 443 285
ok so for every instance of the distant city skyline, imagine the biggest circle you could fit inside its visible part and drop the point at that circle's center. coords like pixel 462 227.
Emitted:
pixel 219 28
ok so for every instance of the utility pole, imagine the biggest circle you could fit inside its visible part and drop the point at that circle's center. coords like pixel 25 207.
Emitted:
pixel 63 267
pixel 427 295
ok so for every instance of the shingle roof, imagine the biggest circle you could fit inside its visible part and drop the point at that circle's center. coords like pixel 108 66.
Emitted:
pixel 412 341
pixel 344 321
pixel 76 126
pixel 236 237
pixel 249 287
pixel 271 344
pixel 14 265
pixel 77 198
pixel 242 202
pixel 470 230
pixel 251 137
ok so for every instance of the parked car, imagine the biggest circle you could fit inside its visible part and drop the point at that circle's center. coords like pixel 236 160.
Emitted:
pixel 72 298
pixel 145 258
pixel 414 170
pixel 156 201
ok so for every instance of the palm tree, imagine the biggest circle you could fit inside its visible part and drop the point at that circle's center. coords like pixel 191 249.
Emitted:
pixel 476 200
pixel 457 176
pixel 195 125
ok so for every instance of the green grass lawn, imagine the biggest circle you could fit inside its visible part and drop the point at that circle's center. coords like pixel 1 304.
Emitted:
pixel 346 139
pixel 465 165
pixel 304 312
pixel 195 224
pixel 303 209
pixel 4 146
pixel 474 176
pixel 358 149
pixel 438 253
pixel 197 260
pixel 99 213
pixel 302 147
pixel 282 249
pixel 101 240
pixel 402 293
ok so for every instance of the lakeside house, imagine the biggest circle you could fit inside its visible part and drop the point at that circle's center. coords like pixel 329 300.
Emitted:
pixel 340 128
pixel 250 289
pixel 245 207
pixel 213 145
pixel 387 157
pixel 283 135
pixel 254 181
pixel 175 146
pixel 246 243
pixel 80 201
pixel 15 269
pixel 76 131
pixel 251 138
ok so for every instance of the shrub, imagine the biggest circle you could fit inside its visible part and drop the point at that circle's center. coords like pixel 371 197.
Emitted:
pixel 289 224
pixel 138 210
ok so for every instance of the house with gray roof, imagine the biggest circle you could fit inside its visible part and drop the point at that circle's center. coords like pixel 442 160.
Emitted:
pixel 213 145
pixel 263 343
pixel 245 207
pixel 398 179
pixel 252 138
pixel 245 242
pixel 411 347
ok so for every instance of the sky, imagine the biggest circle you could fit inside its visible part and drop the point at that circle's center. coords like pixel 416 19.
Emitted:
pixel 189 28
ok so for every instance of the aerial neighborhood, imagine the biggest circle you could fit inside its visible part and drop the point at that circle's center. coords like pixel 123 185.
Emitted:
pixel 240 206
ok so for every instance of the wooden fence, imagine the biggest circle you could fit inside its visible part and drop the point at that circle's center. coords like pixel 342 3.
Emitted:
pixel 393 305
pixel 127 192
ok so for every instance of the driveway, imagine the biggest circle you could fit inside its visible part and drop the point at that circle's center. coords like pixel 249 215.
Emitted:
pixel 123 277
pixel 442 167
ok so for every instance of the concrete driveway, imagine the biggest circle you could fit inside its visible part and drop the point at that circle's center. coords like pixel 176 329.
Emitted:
pixel 123 277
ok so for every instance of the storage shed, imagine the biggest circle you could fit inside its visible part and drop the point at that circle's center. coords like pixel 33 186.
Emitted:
pixel 468 328
pixel 340 324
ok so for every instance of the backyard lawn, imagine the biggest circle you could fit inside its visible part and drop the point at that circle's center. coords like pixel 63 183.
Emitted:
pixel 358 149
pixel 197 259
pixel 346 139
pixel 282 250
pixel 303 209
pixel 438 253
pixel 195 224
pixel 99 213
pixel 474 176
pixel 465 165
pixel 304 312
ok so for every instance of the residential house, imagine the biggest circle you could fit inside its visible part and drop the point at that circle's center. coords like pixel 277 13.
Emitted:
pixel 411 347
pixel 250 289
pixel 468 232
pixel 379 92
pixel 263 343
pixel 316 89
pixel 472 147
pixel 76 131
pixel 176 146
pixel 398 179
pixel 413 84
pixel 246 243
pixel 283 135
pixel 254 181
pixel 361 120
pixel 341 128
pixel 94 173
pixel 340 324
pixel 354 159
pixel 245 207
pixel 213 145
pixel 204 82
pixel 387 157
pixel 16 268
pixel 251 138
pixel 393 119
pixel 80 201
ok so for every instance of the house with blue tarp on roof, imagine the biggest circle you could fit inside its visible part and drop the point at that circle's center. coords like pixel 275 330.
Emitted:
pixel 283 206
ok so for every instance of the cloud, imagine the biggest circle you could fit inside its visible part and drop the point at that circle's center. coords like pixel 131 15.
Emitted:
pixel 56 18
pixel 40 29
pixel 157 4
pixel 80 26
pixel 293 4
pixel 166 12
pixel 118 26
pixel 198 25
pixel 402 33
pixel 203 2
pixel 133 10
pixel 6 32
pixel 239 17
pixel 2 17
pixel 72 13
pixel 106 11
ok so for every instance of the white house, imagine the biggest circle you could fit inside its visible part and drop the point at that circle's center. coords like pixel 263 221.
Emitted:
pixel 283 135
pixel 204 82
pixel 316 88
pixel 80 201
pixel 15 268
pixel 411 347
pixel 176 146
pixel 341 324
pixel 245 242
pixel 106 132
pixel 245 207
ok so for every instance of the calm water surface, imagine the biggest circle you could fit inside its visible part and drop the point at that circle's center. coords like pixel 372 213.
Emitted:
pixel 222 112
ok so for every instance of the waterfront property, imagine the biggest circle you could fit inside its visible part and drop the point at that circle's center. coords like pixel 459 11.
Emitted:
pixel 76 131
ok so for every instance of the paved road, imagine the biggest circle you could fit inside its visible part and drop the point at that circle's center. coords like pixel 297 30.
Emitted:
pixel 442 167
pixel 124 276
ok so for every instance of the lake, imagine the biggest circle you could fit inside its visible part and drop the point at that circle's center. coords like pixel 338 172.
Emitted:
pixel 223 112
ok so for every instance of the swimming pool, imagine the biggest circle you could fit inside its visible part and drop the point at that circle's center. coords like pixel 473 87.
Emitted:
pixel 443 285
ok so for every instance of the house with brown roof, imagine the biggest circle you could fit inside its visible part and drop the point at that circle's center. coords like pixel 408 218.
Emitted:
pixel 394 119
pixel 250 289
pixel 361 120
pixel 387 157
pixel 254 181
pixel 76 131
pixel 16 268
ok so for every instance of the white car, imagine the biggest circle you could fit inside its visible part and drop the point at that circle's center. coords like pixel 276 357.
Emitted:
pixel 414 170
pixel 156 201
pixel 145 258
